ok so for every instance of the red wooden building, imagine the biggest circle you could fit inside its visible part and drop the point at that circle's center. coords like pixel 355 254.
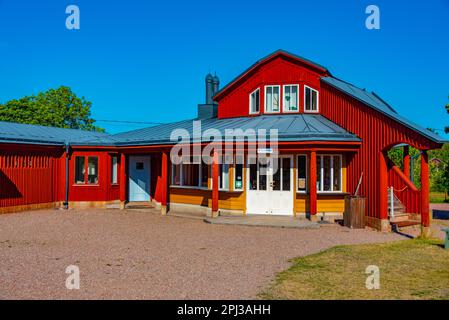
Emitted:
pixel 329 133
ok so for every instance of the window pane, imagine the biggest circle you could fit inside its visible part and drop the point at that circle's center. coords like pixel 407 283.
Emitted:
pixel 327 173
pixel 286 174
pixel 290 98
pixel 276 174
pixel 255 101
pixel 223 176
pixel 337 173
pixel 275 98
pixel 204 175
pixel 269 99
pixel 319 187
pixel 262 175
pixel 314 100
pixel 176 175
pixel 302 173
pixel 114 167
pixel 307 100
pixel 190 173
pixel 92 170
pixel 238 176
pixel 253 176
pixel 79 170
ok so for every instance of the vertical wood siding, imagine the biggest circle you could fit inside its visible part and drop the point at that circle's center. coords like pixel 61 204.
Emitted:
pixel 28 175
pixel 378 133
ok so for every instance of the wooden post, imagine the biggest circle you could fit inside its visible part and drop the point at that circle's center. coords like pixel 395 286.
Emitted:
pixel 425 206
pixel 123 182
pixel 312 185
pixel 383 193
pixel 164 182
pixel 215 184
pixel 406 161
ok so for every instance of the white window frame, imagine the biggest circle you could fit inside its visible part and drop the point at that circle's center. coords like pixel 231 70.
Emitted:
pixel 181 178
pixel 317 100
pixel 250 102
pixel 114 169
pixel 307 173
pixel 321 157
pixel 297 98
pixel 265 98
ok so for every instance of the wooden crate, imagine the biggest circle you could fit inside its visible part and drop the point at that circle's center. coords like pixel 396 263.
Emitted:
pixel 354 214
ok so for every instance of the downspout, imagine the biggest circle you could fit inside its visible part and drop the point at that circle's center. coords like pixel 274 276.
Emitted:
pixel 66 201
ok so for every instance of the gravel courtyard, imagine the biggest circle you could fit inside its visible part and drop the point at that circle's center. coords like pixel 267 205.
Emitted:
pixel 141 255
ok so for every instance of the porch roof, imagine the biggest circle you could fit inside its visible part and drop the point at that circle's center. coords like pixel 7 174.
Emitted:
pixel 298 127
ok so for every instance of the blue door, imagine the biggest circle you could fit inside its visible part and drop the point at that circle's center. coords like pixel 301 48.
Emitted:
pixel 139 178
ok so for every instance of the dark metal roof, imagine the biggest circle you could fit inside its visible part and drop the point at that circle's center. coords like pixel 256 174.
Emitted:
pixel 374 101
pixel 35 134
pixel 299 127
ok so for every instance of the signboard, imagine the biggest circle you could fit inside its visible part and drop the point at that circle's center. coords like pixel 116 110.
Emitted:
pixel 265 150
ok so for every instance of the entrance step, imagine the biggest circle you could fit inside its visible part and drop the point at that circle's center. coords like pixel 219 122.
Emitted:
pixel 139 205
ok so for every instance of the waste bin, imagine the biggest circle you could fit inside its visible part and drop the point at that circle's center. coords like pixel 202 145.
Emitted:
pixel 354 215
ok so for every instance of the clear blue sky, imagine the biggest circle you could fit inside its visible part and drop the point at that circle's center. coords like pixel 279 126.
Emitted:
pixel 146 60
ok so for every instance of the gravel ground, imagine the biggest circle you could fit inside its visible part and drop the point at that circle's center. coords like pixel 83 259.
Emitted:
pixel 141 255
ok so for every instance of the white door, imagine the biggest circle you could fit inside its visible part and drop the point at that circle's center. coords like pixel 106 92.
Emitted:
pixel 139 178
pixel 269 187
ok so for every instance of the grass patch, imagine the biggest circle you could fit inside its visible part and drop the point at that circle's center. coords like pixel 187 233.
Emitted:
pixel 438 197
pixel 409 269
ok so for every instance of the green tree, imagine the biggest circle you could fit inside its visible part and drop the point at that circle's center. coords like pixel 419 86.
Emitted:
pixel 56 107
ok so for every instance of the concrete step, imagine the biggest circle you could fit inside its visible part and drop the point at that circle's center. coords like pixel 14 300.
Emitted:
pixel 139 205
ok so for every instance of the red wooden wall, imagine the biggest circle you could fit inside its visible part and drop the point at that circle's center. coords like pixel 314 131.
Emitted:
pixel 104 190
pixel 378 133
pixel 29 174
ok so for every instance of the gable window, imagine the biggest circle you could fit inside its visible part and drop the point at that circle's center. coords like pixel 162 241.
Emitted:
pixel 301 184
pixel 290 98
pixel 254 102
pixel 272 94
pixel 329 172
pixel 310 99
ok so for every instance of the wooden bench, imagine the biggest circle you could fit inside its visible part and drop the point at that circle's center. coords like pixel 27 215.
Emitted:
pixel 446 240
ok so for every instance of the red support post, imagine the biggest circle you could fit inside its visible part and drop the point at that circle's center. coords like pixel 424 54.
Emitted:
pixel 312 185
pixel 122 180
pixel 425 206
pixel 215 184
pixel 164 184
pixel 383 188
pixel 406 161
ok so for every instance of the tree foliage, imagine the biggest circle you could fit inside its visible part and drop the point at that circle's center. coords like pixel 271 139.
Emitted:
pixel 56 107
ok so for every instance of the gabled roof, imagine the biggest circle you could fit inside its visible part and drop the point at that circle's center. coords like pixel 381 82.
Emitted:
pixel 374 101
pixel 35 134
pixel 279 53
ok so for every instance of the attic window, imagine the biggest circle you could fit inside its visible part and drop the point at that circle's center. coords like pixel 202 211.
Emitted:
pixel 254 102
pixel 290 98
pixel 310 99
pixel 272 94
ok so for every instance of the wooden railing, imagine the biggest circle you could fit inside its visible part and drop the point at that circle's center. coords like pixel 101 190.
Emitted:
pixel 405 190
